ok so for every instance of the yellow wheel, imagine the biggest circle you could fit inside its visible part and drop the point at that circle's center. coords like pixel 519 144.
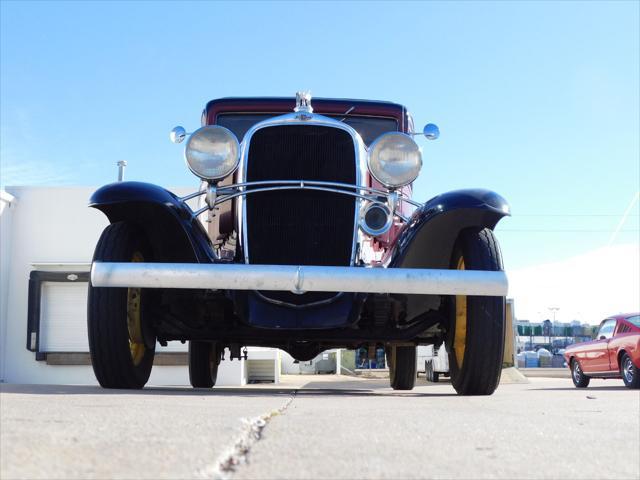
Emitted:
pixel 121 340
pixel 475 337
pixel 134 318
pixel 460 338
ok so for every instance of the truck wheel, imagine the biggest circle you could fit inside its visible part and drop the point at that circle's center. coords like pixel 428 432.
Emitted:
pixel 402 367
pixel 204 358
pixel 629 372
pixel 121 336
pixel 428 370
pixel 432 375
pixel 475 340
pixel 580 380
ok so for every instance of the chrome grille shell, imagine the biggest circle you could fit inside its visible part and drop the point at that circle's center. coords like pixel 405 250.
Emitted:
pixel 303 119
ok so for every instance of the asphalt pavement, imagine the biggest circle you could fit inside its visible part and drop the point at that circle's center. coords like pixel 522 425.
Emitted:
pixel 321 427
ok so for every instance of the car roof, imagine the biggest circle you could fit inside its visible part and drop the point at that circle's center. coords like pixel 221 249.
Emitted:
pixel 327 106
pixel 622 316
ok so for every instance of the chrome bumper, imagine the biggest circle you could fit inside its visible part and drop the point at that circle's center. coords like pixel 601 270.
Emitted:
pixel 299 279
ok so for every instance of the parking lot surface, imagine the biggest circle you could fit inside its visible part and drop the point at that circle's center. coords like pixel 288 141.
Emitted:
pixel 321 427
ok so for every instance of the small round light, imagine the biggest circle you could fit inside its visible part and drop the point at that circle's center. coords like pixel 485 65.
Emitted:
pixel 375 219
pixel 177 134
pixel 394 159
pixel 212 152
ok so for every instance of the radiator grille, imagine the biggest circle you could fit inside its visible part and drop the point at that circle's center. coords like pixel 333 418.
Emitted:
pixel 300 227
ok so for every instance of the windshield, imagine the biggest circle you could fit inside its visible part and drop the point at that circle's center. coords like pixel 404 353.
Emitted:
pixel 369 128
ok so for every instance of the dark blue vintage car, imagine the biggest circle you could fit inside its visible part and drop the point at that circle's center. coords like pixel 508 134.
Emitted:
pixel 306 238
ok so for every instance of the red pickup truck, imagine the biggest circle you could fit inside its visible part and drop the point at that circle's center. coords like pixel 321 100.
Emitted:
pixel 615 353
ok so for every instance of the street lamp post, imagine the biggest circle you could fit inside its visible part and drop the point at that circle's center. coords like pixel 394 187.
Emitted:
pixel 553 310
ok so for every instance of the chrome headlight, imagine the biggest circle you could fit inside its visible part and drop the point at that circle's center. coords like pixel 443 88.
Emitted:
pixel 212 152
pixel 394 159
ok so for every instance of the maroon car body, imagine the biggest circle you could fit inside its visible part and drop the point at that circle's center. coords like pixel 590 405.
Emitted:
pixel 615 353
pixel 341 255
pixel 217 111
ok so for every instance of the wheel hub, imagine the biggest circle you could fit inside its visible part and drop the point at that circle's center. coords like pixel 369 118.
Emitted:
pixel 134 321
pixel 628 370
pixel 460 337
pixel 577 373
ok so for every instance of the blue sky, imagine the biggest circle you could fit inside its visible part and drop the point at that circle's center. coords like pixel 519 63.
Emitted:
pixel 538 101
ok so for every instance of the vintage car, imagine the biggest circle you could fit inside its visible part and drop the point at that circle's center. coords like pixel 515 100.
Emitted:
pixel 615 353
pixel 306 238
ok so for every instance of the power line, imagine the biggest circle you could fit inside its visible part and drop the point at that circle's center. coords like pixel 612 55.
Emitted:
pixel 625 215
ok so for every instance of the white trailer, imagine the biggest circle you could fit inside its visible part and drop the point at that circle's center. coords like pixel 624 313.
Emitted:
pixel 433 361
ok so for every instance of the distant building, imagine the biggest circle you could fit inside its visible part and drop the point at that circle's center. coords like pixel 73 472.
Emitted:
pixel 550 335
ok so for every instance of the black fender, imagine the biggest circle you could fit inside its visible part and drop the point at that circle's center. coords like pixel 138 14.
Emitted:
pixel 428 238
pixel 174 232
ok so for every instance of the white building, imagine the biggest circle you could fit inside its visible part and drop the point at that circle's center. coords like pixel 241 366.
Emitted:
pixel 47 239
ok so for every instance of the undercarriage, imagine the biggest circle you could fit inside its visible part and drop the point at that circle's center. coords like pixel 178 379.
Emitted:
pixel 209 316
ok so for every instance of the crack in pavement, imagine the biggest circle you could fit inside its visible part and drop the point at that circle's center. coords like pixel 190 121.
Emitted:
pixel 236 455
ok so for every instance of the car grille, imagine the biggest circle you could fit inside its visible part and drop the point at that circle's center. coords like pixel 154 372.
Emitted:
pixel 300 227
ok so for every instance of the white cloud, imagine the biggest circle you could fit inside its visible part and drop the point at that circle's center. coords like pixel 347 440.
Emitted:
pixel 35 173
pixel 21 160
pixel 587 287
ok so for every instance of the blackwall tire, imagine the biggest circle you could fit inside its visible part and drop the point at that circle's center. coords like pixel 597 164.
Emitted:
pixel 121 338
pixel 428 369
pixel 402 367
pixel 204 358
pixel 580 380
pixel 475 338
pixel 629 372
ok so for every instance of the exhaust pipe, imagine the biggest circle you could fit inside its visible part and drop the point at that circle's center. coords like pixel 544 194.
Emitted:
pixel 299 279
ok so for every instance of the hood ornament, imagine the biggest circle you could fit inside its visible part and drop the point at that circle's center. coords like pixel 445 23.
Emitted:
pixel 303 105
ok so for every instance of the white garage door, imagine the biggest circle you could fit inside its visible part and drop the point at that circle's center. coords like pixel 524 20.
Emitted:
pixel 63 319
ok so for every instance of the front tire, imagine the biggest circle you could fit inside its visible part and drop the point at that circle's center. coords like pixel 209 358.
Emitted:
pixel 121 337
pixel 475 340
pixel 580 380
pixel 629 372
pixel 402 367
pixel 204 358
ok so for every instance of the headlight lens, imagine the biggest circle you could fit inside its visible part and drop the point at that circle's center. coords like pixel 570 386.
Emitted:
pixel 212 152
pixel 394 159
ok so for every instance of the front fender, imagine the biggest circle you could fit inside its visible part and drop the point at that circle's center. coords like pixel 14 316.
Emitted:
pixel 428 238
pixel 171 228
